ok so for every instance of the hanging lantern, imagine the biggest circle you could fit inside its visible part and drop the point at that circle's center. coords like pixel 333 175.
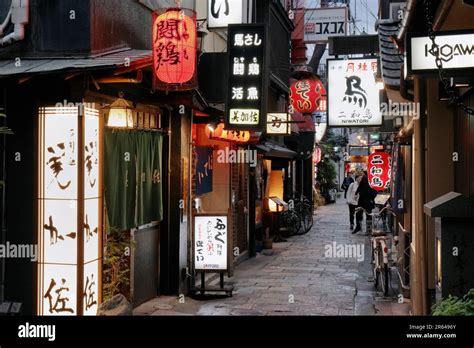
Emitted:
pixel 379 169
pixel 305 95
pixel 120 114
pixel 174 49
pixel 317 155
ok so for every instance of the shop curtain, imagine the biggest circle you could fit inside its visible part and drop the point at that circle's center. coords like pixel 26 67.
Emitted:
pixel 120 178
pixel 149 190
pixel 133 189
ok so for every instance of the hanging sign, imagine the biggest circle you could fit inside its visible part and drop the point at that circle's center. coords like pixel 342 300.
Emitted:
pixel 204 169
pixel 221 13
pixel 174 49
pixel 246 92
pixel 279 124
pixel 456 50
pixel 353 95
pixel 379 170
pixel 321 23
pixel 210 243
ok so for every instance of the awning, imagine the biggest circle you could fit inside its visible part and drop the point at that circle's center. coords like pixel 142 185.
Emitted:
pixel 391 59
pixel 273 150
pixel 127 58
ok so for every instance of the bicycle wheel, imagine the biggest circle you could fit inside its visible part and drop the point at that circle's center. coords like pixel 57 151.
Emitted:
pixel 291 221
pixel 307 219
pixel 382 272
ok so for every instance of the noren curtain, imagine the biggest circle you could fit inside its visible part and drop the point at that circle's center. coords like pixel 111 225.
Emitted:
pixel 132 175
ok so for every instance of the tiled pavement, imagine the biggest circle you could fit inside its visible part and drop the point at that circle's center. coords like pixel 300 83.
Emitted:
pixel 295 278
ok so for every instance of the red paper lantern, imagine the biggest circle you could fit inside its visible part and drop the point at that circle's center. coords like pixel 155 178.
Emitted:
pixel 305 95
pixel 174 49
pixel 317 155
pixel 379 167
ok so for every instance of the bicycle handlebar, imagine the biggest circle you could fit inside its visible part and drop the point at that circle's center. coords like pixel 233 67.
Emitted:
pixel 375 214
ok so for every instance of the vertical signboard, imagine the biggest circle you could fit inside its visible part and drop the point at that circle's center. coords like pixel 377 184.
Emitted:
pixel 246 95
pixel 210 243
pixel 69 211
pixel 321 23
pixel 221 13
pixel 353 94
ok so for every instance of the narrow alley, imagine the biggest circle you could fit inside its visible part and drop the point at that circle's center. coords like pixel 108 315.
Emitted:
pixel 296 277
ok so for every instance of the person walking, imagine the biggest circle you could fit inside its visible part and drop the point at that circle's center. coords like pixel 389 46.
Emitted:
pixel 349 179
pixel 352 198
pixel 366 200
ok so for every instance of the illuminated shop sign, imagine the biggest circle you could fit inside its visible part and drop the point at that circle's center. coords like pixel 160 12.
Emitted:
pixel 246 93
pixel 221 13
pixel 353 93
pixel 456 51
pixel 278 124
pixel 69 211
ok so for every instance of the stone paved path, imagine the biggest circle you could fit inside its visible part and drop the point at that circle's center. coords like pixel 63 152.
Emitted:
pixel 294 278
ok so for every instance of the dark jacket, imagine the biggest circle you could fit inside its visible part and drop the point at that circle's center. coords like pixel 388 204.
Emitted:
pixel 366 195
pixel 346 183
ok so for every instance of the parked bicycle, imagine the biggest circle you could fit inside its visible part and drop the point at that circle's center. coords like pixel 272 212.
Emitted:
pixel 298 219
pixel 304 208
pixel 381 250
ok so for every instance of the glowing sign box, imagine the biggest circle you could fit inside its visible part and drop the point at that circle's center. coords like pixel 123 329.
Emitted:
pixel 246 94
pixel 69 211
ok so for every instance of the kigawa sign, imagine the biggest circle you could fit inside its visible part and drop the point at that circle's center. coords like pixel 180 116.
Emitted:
pixel 321 23
pixel 210 243
pixel 353 94
pixel 456 50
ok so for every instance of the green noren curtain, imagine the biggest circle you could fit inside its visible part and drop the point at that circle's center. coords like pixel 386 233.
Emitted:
pixel 120 178
pixel 133 178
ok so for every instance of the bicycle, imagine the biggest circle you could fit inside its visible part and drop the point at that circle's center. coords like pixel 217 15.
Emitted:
pixel 380 249
pixel 305 210
pixel 291 220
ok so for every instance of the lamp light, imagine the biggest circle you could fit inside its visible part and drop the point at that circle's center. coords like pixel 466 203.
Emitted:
pixel 120 114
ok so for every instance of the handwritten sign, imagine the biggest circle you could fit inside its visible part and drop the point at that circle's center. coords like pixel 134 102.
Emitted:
pixel 210 243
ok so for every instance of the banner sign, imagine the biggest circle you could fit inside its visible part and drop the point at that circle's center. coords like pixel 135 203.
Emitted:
pixel 456 51
pixel 245 95
pixel 353 94
pixel 321 23
pixel 210 243
pixel 204 170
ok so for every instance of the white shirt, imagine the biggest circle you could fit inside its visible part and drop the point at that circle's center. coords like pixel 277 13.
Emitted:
pixel 351 196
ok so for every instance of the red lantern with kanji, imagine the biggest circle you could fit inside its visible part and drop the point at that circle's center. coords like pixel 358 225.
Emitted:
pixel 379 170
pixel 305 95
pixel 174 49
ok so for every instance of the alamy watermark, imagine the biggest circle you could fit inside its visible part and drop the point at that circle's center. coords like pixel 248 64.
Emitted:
pixel 20 251
pixel 346 251
pixel 397 109
pixel 237 156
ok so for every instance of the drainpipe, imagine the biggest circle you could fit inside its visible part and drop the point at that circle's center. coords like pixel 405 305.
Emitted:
pixel 19 15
